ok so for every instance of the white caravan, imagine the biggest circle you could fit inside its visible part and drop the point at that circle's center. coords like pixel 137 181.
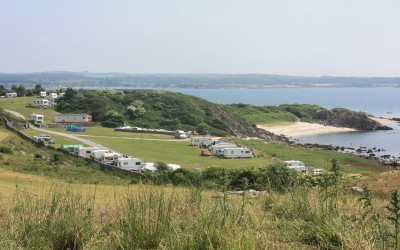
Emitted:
pixel 237 153
pixel 297 165
pixel 173 167
pixel 110 158
pixel 85 152
pixel 218 149
pixel 97 154
pixel 200 141
pixel 128 163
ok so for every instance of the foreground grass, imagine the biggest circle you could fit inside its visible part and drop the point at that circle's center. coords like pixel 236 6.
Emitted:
pixel 144 217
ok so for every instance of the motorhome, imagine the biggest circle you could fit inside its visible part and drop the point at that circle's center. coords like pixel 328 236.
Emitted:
pixel 85 152
pixel 42 94
pixel 297 165
pixel 180 134
pixel 218 149
pixel 128 163
pixel 237 153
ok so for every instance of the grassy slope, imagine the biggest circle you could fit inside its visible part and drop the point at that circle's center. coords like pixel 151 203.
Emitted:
pixel 27 158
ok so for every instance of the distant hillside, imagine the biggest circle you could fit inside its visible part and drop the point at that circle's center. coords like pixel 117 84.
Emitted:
pixel 172 111
pixel 85 79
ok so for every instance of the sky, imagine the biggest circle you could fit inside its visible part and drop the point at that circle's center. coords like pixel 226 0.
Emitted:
pixel 287 37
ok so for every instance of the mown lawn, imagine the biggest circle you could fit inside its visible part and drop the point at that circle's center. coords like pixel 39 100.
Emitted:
pixel 178 152
pixel 18 105
pixel 102 131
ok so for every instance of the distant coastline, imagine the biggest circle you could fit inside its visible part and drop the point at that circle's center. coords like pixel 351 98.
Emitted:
pixel 201 81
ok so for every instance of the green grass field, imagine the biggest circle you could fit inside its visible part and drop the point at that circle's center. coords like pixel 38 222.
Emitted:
pixel 177 152
pixel 102 131
pixel 314 158
pixel 18 105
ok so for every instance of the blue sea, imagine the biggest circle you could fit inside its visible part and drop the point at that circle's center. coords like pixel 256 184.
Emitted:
pixel 374 101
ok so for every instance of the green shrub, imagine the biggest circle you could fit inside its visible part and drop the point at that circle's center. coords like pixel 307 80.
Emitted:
pixel 6 150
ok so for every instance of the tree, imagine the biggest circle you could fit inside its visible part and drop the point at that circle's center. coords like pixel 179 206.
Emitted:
pixel 70 93
pixel 21 91
pixel 136 109
pixel 3 90
pixel 113 119
pixel 38 88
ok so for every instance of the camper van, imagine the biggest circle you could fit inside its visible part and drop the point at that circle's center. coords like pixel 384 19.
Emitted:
pixel 218 149
pixel 180 134
pixel 297 165
pixel 110 158
pixel 97 154
pixel 128 163
pixel 85 152
pixel 237 153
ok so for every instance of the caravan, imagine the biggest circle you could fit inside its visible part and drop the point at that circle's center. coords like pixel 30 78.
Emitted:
pixel 237 153
pixel 218 149
pixel 98 154
pixel 201 141
pixel 110 158
pixel 128 163
pixel 297 165
pixel 85 152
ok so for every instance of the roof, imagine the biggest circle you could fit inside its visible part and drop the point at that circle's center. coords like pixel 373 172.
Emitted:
pixel 72 114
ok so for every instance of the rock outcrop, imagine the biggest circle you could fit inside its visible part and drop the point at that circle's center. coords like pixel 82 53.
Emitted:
pixel 356 120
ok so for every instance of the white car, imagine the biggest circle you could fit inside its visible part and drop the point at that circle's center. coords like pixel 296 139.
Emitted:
pixel 43 137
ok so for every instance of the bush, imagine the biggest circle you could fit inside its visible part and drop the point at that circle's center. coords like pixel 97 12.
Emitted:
pixel 277 178
pixel 6 150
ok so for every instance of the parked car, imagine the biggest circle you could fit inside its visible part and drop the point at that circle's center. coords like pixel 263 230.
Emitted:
pixel 205 153
pixel 42 137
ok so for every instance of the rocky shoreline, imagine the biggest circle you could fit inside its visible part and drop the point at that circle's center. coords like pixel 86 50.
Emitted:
pixel 373 153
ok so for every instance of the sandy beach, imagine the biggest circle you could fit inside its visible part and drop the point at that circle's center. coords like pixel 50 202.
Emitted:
pixel 305 128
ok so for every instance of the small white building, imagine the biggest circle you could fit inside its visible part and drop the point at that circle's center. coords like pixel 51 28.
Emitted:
pixel 36 118
pixel 42 94
pixel 297 165
pixel 73 118
pixel 53 95
pixel 237 153
pixel 11 95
